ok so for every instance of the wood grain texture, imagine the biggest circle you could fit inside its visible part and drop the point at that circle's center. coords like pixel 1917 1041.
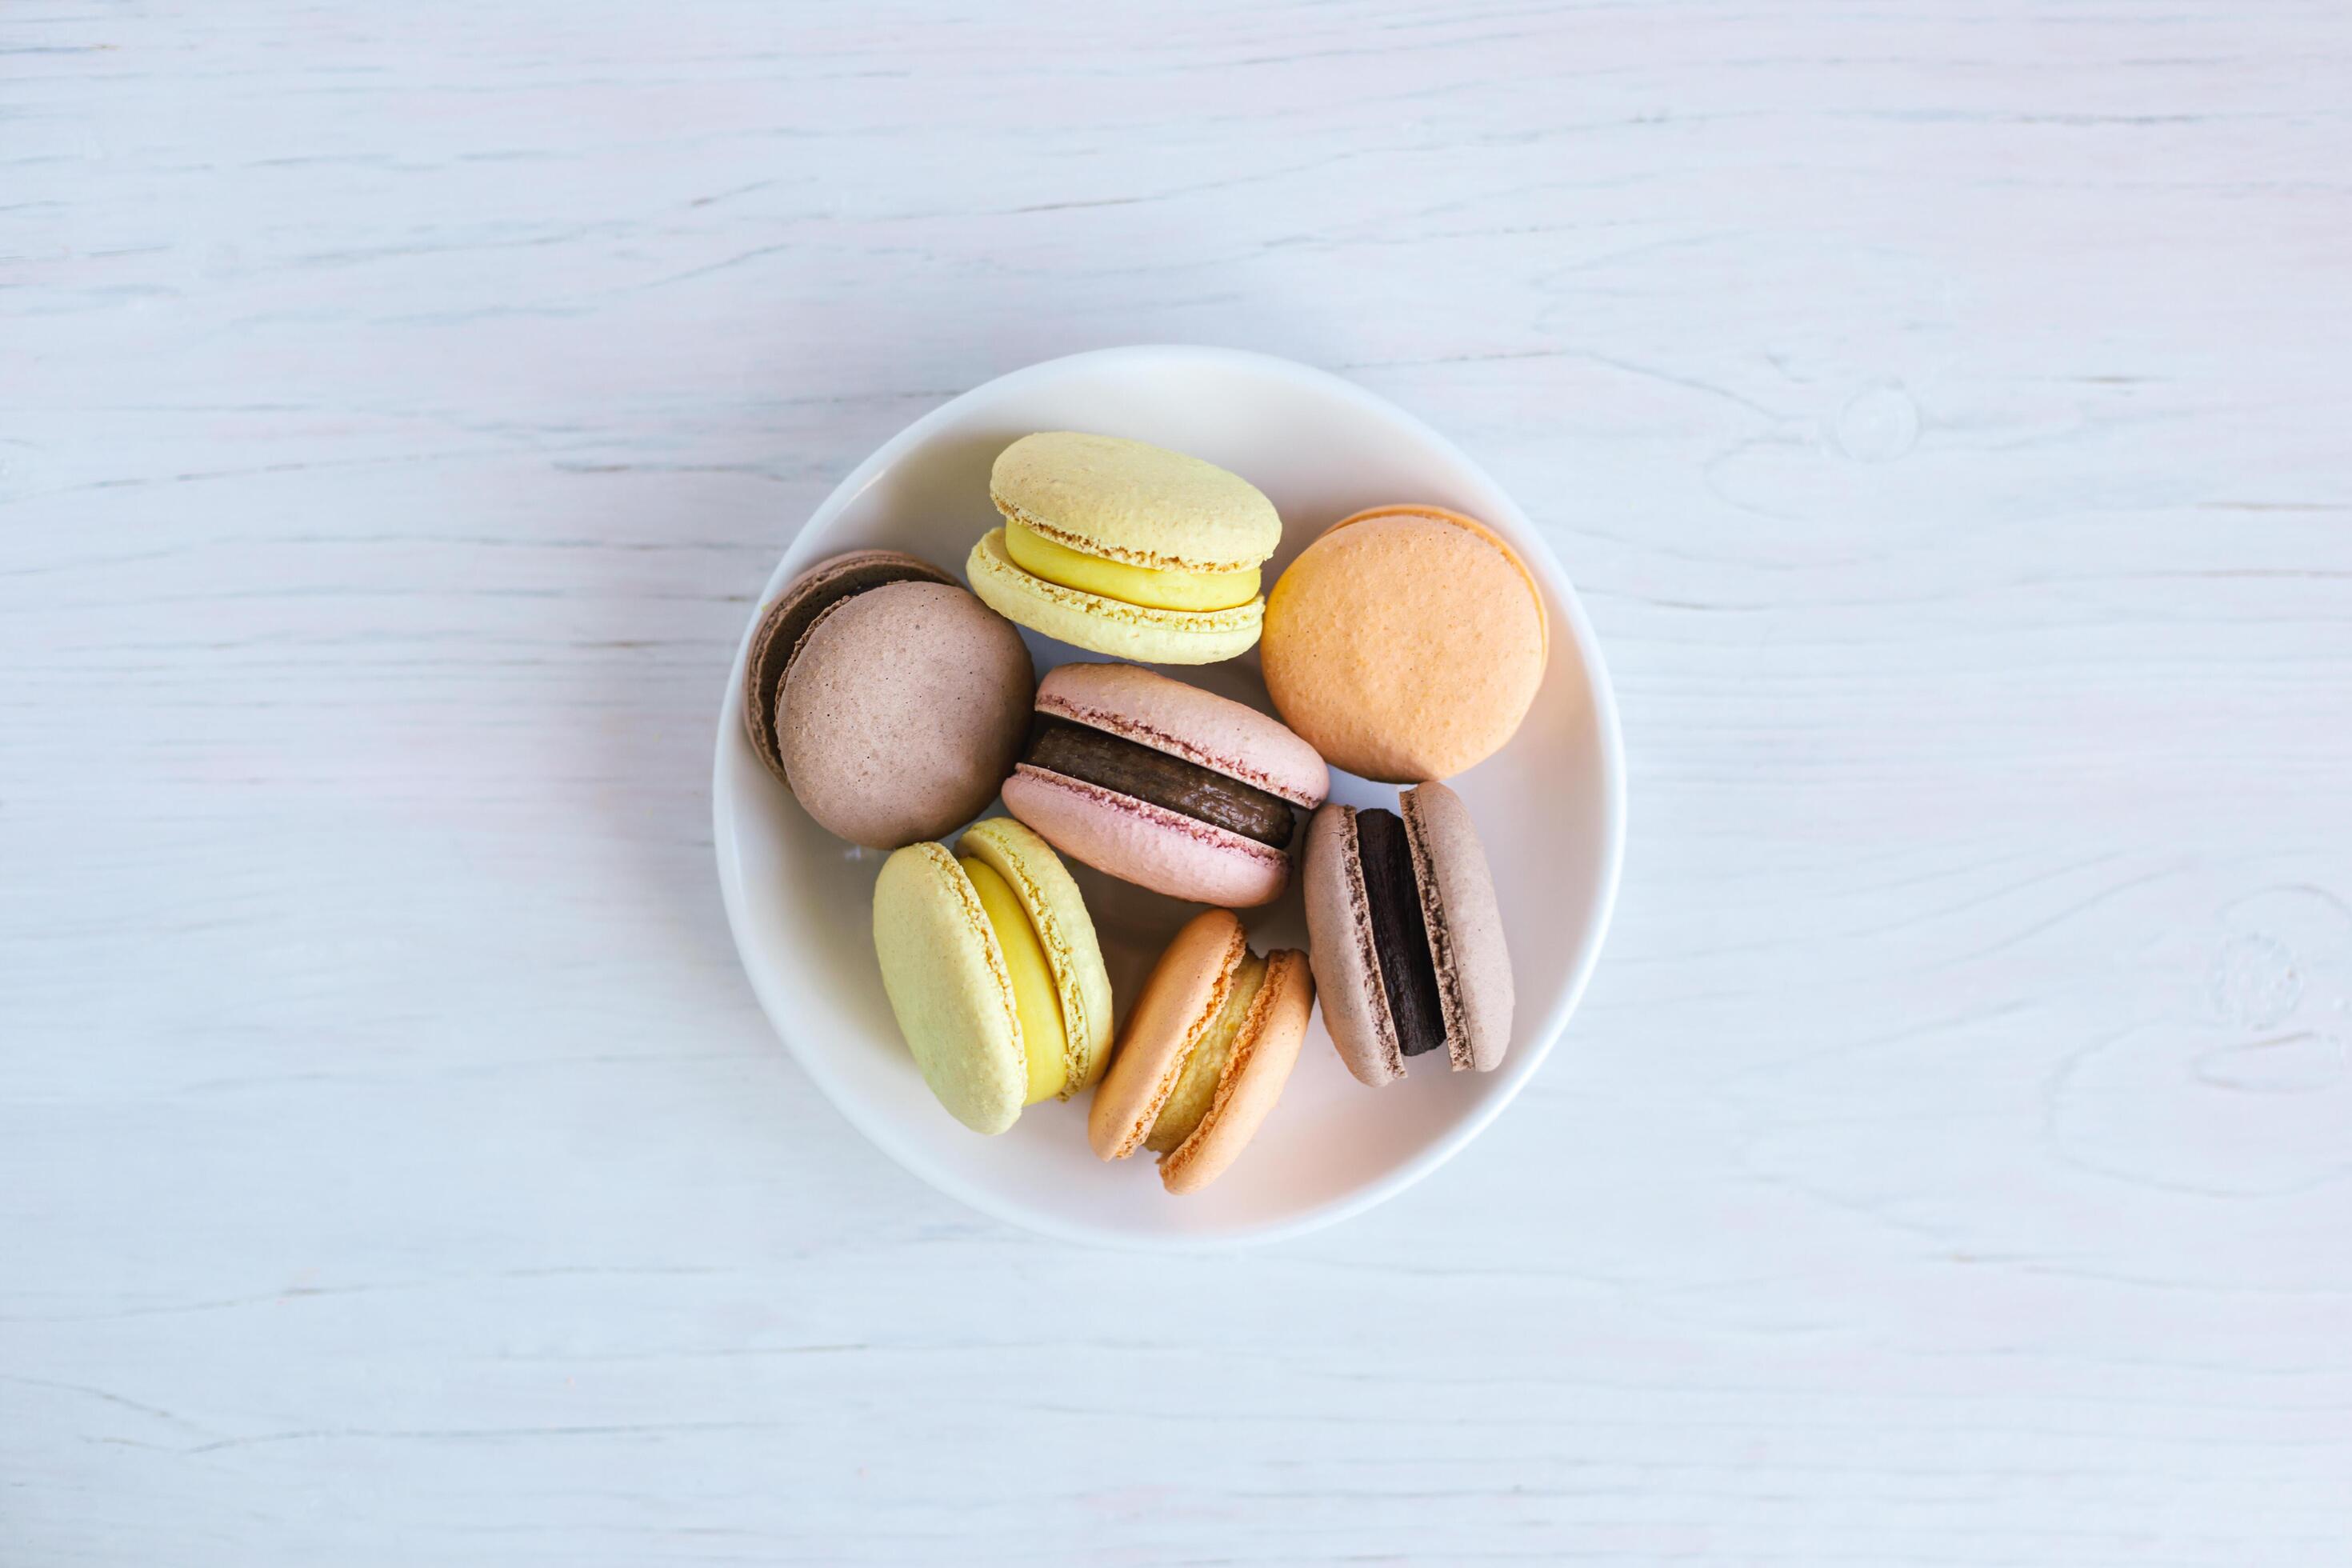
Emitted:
pixel 1942 409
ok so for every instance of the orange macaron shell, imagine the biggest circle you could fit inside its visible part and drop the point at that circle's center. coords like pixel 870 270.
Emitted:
pixel 1406 643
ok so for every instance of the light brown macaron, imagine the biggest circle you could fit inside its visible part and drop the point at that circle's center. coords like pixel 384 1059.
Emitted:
pixel 1204 1055
pixel 901 710
pixel 1406 643
pixel 1407 936
pixel 787 620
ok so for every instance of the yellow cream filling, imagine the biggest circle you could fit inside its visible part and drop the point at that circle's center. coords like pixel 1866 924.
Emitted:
pixel 1040 556
pixel 1043 1042
pixel 1197 1085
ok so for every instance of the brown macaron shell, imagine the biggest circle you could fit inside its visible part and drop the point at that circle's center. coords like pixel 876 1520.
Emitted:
pixel 902 712
pixel 1339 945
pixel 788 618
pixel 1465 928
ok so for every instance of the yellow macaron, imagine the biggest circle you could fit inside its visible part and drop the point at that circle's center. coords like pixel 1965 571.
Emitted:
pixel 1124 548
pixel 994 971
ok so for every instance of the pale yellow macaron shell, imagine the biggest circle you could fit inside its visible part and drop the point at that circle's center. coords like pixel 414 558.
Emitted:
pixel 1133 502
pixel 1057 913
pixel 1102 625
pixel 949 987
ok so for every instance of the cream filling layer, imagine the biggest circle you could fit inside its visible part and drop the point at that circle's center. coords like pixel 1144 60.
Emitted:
pixel 1045 1044
pixel 1196 1087
pixel 1154 590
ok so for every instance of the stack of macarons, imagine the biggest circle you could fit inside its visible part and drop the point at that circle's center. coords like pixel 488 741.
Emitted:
pixel 1403 645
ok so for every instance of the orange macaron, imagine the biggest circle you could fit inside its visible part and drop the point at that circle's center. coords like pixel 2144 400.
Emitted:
pixel 1405 644
pixel 1204 1053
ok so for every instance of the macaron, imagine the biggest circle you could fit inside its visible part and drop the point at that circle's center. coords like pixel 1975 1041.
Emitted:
pixel 1408 942
pixel 994 971
pixel 1406 643
pixel 1164 784
pixel 1205 1052
pixel 1124 548
pixel 806 598
pixel 890 702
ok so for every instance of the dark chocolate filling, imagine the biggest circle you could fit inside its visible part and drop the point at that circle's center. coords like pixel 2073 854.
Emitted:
pixel 1400 937
pixel 1113 763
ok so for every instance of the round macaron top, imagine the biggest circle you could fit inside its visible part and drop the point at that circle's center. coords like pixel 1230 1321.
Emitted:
pixel 1049 896
pixel 788 618
pixel 1405 643
pixel 1203 728
pixel 948 986
pixel 1133 502
pixel 902 713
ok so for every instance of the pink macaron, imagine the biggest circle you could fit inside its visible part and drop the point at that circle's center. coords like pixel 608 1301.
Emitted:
pixel 1164 784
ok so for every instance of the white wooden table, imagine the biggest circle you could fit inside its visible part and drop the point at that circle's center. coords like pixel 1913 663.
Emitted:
pixel 1945 418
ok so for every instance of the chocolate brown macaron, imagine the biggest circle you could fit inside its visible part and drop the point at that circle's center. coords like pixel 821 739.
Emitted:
pixel 1407 938
pixel 787 620
pixel 890 701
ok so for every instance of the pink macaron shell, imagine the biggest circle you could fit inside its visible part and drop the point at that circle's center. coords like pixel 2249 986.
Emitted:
pixel 1216 733
pixel 1145 844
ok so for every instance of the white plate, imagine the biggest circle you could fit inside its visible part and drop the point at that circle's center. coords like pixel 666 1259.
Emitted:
pixel 1550 806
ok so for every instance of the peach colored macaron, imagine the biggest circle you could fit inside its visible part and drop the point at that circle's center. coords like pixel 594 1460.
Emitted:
pixel 1204 1053
pixel 1405 644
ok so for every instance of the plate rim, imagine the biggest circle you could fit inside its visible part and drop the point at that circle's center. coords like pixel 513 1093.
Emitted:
pixel 1524 537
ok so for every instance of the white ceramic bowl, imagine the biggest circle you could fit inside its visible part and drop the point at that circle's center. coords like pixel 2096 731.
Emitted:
pixel 1550 806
